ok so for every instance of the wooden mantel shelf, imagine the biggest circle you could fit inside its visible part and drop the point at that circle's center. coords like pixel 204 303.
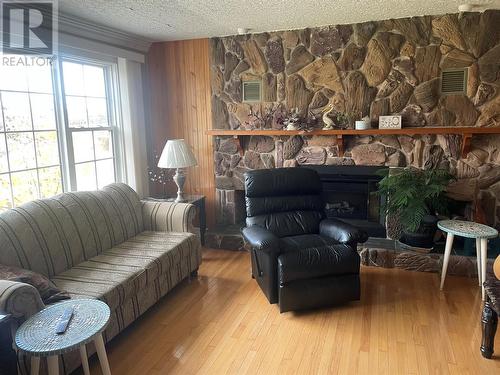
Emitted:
pixel 465 132
pixel 408 131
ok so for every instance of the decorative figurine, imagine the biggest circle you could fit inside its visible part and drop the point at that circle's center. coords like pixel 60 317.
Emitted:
pixel 329 123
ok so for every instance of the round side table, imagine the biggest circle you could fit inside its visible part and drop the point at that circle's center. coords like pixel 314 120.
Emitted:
pixel 480 232
pixel 37 336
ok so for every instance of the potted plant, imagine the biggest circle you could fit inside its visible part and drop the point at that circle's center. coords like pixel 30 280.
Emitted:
pixel 415 197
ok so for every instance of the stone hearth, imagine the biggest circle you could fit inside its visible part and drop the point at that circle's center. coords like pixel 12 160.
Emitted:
pixel 226 237
pixel 389 256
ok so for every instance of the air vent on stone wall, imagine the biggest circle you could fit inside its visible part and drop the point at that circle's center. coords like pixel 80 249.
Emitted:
pixel 251 91
pixel 454 81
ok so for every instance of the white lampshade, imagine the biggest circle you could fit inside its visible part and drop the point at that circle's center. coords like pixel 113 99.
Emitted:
pixel 176 154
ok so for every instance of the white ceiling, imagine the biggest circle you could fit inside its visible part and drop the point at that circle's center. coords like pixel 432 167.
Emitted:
pixel 159 20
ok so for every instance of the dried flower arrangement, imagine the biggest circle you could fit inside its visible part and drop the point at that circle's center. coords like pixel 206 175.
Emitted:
pixel 261 117
pixel 276 116
pixel 159 176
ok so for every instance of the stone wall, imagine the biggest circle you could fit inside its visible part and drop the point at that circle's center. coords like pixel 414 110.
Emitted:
pixel 373 68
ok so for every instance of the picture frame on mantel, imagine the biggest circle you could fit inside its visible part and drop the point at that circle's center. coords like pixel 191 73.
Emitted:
pixel 390 122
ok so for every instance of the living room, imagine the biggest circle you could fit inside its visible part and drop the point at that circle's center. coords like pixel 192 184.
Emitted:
pixel 211 187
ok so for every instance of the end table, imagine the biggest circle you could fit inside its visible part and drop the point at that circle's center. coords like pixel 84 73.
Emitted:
pixel 37 336
pixel 480 232
pixel 199 202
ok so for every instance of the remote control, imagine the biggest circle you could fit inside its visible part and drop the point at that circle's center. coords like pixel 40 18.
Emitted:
pixel 63 323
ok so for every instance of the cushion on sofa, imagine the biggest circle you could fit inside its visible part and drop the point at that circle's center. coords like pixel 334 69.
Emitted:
pixel 119 273
pixel 49 236
pixel 49 292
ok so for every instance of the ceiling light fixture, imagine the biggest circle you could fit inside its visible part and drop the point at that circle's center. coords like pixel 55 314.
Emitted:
pixel 243 30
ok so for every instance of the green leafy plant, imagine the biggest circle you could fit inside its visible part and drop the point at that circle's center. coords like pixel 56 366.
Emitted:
pixel 343 120
pixel 412 193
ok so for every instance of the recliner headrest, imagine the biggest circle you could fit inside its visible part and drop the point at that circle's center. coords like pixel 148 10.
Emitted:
pixel 281 181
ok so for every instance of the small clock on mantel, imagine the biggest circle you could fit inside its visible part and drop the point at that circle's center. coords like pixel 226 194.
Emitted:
pixel 389 122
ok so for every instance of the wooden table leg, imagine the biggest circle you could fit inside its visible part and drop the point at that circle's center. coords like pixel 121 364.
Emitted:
pixel 489 321
pixel 484 258
pixel 478 260
pixel 101 353
pixel 35 365
pixel 446 259
pixel 53 365
pixel 85 360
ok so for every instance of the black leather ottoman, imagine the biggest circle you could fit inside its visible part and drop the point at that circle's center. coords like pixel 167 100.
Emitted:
pixel 318 276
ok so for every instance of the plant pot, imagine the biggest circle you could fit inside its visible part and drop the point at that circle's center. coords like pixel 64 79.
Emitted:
pixel 362 125
pixel 424 236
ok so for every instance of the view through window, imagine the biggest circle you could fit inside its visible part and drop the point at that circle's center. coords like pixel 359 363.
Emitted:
pixel 89 125
pixel 55 137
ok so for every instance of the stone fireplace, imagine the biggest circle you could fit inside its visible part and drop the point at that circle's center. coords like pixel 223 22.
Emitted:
pixel 478 175
pixel 369 69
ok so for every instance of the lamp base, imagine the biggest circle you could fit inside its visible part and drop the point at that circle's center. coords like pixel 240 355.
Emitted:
pixel 179 179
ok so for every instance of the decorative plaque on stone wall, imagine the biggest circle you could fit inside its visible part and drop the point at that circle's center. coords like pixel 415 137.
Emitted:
pixel 389 122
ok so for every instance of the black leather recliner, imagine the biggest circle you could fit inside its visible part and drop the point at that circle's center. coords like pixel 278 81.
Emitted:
pixel 300 259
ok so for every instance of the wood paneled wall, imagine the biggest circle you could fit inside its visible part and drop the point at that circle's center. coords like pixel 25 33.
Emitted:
pixel 179 97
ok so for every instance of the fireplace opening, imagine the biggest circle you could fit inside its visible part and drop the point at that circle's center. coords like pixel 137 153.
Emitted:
pixel 350 195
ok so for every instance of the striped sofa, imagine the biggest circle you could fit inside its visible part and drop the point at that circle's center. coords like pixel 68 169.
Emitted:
pixel 105 244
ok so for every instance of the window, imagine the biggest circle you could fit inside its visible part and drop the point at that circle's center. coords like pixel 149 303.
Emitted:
pixel 30 165
pixel 58 129
pixel 89 124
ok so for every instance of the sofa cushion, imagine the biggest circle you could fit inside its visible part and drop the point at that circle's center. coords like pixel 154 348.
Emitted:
pixel 316 262
pixel 119 273
pixel 50 236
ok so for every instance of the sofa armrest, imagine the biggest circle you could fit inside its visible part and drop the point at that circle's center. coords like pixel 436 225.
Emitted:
pixel 168 216
pixel 342 231
pixel 261 239
pixel 19 299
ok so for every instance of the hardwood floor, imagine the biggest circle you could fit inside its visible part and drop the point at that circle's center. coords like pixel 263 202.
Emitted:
pixel 221 323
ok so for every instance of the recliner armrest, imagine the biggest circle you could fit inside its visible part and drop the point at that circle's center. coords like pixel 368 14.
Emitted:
pixel 261 239
pixel 342 231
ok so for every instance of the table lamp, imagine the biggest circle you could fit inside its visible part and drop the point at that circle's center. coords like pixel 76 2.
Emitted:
pixel 177 154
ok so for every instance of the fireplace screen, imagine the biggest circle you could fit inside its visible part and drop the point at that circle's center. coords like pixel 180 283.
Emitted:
pixel 351 200
pixel 350 194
